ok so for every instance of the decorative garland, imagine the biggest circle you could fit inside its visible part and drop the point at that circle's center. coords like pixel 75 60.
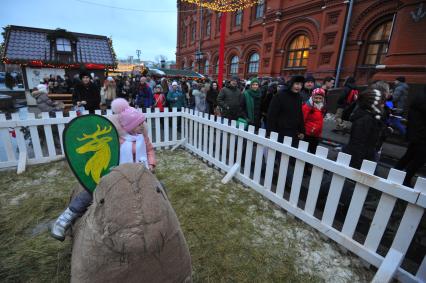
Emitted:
pixel 225 5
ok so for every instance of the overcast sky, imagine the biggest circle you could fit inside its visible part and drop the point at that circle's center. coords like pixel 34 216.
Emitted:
pixel 148 25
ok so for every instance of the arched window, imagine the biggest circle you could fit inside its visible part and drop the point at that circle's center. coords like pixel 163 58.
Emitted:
pixel 238 17
pixel 377 44
pixel 253 64
pixel 298 52
pixel 260 9
pixel 208 27
pixel 234 65
pixel 206 67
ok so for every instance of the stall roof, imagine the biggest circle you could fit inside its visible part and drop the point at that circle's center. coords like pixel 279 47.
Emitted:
pixel 28 43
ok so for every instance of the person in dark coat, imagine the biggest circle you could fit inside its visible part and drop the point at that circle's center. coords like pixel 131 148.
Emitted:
pixel 346 102
pixel 211 98
pixel 285 112
pixel 415 156
pixel 86 93
pixel 9 81
pixel 144 96
pixel 250 103
pixel 266 100
pixel 400 95
pixel 366 127
pixel 229 100
pixel 308 87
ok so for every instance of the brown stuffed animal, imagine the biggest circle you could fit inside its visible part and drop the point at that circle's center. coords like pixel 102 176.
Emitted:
pixel 130 233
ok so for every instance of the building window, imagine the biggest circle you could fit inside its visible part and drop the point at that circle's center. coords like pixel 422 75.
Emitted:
pixel 63 45
pixel 260 9
pixel 194 31
pixel 298 52
pixel 238 17
pixel 206 67
pixel 377 44
pixel 253 64
pixel 234 65
pixel 218 17
pixel 216 69
pixel 184 36
pixel 208 27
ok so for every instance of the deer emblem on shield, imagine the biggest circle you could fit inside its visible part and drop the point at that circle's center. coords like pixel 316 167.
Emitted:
pixel 102 152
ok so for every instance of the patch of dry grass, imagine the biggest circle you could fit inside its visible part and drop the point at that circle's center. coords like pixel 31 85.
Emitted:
pixel 233 233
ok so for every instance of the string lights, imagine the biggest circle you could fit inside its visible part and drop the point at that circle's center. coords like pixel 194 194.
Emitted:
pixel 224 5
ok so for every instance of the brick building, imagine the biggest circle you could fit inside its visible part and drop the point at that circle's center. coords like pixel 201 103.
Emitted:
pixel 386 38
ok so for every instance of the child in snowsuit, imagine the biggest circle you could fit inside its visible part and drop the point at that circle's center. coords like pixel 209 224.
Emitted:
pixel 135 147
pixel 313 116
pixel 159 98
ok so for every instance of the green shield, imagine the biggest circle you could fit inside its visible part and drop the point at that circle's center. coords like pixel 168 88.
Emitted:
pixel 92 148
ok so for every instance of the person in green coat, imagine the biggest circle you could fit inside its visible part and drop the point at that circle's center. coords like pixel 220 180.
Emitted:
pixel 250 104
pixel 175 98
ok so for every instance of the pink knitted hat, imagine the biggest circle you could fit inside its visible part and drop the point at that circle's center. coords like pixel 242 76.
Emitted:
pixel 128 117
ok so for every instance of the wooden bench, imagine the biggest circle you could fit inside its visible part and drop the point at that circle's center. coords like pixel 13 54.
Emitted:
pixel 66 98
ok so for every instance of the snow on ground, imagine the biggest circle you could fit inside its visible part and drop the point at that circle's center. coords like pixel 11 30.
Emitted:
pixel 313 255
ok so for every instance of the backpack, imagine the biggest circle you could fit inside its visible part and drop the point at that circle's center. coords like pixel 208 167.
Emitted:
pixel 352 96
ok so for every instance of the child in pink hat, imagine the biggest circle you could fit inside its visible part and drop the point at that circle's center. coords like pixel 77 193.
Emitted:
pixel 135 147
pixel 135 143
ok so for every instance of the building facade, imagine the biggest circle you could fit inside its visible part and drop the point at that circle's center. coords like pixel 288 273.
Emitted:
pixel 386 39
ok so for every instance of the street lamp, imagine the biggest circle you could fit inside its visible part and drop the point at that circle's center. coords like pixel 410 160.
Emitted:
pixel 198 58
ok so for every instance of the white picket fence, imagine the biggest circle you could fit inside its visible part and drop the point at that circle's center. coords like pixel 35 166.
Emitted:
pixel 310 187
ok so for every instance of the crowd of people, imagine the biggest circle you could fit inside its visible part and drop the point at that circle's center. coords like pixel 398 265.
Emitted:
pixel 294 108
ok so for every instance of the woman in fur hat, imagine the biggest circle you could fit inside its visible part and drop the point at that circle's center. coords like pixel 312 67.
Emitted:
pixel 366 127
pixel 285 112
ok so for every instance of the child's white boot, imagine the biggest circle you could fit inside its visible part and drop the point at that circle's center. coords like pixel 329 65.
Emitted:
pixel 62 224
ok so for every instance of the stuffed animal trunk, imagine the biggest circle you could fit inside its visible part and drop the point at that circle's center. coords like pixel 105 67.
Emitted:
pixel 130 233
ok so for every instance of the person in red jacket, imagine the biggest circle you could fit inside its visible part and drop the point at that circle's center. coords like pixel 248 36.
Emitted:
pixel 313 116
pixel 159 98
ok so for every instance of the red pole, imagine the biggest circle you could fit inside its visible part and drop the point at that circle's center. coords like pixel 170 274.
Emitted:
pixel 222 48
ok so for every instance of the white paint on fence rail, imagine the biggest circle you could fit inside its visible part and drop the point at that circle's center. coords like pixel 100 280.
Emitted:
pixel 315 182
pixel 358 199
pixel 296 183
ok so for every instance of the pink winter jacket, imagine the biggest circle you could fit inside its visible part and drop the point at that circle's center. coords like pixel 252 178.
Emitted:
pixel 149 147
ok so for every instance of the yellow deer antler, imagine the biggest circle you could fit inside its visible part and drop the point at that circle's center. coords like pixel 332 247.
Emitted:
pixel 96 134
pixel 102 156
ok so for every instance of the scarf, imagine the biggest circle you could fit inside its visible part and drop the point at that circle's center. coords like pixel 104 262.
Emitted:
pixel 318 106
pixel 249 96
pixel 127 153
